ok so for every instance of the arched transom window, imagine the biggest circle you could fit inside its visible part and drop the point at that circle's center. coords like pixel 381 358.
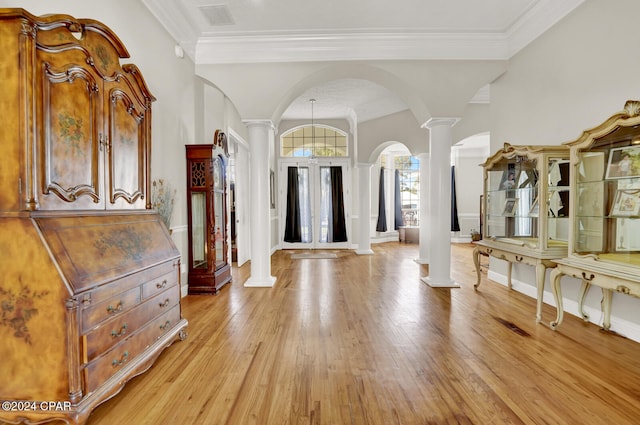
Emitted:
pixel 314 141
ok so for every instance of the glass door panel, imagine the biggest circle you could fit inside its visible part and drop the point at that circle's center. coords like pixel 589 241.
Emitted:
pixel 314 197
pixel 198 228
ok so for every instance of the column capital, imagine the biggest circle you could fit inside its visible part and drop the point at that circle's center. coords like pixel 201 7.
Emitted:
pixel 259 123
pixel 364 165
pixel 440 121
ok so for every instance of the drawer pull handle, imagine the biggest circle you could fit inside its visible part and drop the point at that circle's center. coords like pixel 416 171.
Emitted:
pixel 123 330
pixel 161 285
pixel 111 309
pixel 123 359
pixel 165 303
pixel 589 278
pixel 623 289
pixel 165 326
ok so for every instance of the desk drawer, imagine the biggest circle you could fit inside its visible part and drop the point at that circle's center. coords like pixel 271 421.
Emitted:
pixel 110 333
pixel 159 284
pixel 110 308
pixel 113 361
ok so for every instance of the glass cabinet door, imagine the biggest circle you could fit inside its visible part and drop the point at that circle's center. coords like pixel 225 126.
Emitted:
pixel 557 202
pixel 198 230
pixel 607 223
pixel 218 212
pixel 512 200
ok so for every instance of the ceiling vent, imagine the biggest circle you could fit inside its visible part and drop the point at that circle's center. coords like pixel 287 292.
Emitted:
pixel 217 14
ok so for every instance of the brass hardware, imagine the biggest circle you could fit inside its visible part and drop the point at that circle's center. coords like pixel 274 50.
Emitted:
pixel 623 289
pixel 111 309
pixel 165 303
pixel 166 325
pixel 161 285
pixel 123 359
pixel 123 330
pixel 588 279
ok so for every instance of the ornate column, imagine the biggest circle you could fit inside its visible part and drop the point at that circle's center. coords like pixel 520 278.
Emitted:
pixel 440 140
pixel 423 255
pixel 261 133
pixel 364 228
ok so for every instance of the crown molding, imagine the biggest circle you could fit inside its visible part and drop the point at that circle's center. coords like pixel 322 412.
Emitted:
pixel 226 48
pixel 537 20
pixel 306 47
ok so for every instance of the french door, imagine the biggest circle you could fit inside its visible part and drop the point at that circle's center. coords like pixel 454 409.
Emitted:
pixel 314 203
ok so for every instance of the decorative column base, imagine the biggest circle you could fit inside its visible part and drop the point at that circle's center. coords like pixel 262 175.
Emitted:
pixel 260 283
pixel 440 283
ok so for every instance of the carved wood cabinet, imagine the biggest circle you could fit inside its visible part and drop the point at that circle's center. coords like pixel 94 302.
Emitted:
pixel 209 267
pixel 90 291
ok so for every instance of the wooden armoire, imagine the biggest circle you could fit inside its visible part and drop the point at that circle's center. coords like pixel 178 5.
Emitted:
pixel 90 284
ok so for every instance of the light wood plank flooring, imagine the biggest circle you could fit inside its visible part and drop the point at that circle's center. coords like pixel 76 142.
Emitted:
pixel 361 340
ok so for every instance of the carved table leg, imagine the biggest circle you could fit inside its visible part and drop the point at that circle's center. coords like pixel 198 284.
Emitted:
pixel 584 289
pixel 556 275
pixel 607 295
pixel 476 262
pixel 541 272
pixel 509 268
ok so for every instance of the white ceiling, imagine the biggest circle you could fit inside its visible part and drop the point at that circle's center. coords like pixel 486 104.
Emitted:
pixel 251 31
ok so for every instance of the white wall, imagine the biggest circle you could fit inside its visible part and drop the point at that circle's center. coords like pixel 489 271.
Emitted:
pixel 572 78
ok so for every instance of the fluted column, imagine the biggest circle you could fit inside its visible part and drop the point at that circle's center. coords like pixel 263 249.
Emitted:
pixel 364 197
pixel 425 234
pixel 260 136
pixel 440 140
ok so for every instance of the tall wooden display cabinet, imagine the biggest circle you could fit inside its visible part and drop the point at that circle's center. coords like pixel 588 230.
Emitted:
pixel 209 267
pixel 90 291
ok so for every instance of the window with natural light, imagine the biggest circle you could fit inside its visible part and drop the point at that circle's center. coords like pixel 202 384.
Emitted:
pixel 314 141
pixel 409 169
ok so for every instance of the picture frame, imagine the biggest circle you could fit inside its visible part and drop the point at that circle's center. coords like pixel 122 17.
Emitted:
pixel 626 203
pixel 509 178
pixel 510 207
pixel 623 163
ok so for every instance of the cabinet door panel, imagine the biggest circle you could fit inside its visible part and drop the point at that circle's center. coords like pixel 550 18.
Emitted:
pixel 127 153
pixel 68 153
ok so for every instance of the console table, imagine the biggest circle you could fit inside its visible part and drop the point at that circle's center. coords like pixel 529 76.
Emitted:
pixel 604 276
pixel 518 256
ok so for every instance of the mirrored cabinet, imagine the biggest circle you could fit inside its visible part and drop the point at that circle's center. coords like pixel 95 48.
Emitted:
pixel 525 209
pixel 209 267
pixel 604 241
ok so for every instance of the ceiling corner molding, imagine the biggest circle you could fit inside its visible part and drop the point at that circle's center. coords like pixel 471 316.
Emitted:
pixel 174 20
pixel 537 20
pixel 343 47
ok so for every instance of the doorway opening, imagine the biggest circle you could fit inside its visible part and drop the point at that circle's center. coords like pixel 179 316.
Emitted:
pixel 314 205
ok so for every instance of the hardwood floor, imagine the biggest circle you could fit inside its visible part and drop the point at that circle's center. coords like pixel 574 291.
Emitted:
pixel 361 340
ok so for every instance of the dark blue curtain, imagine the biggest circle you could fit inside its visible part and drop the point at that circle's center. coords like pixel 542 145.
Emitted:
pixel 381 225
pixel 455 224
pixel 399 221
